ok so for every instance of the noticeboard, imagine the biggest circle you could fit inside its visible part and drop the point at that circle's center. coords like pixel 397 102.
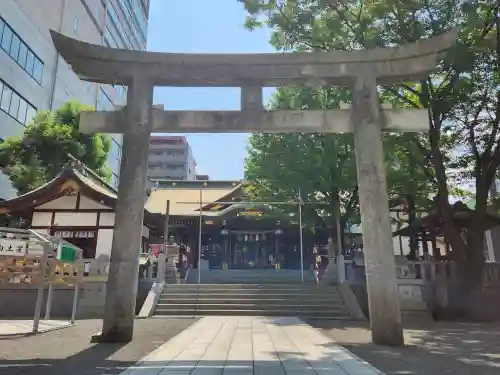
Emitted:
pixel 67 254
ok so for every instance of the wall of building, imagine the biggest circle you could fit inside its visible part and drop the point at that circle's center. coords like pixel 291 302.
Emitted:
pixel 171 158
pixel 103 221
pixel 43 80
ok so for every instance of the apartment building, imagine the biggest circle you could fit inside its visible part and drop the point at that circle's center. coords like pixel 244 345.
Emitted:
pixel 33 76
pixel 170 158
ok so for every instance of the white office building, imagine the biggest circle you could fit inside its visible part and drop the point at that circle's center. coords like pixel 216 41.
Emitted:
pixel 170 158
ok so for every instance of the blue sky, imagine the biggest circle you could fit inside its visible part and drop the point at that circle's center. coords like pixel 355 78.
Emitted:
pixel 200 26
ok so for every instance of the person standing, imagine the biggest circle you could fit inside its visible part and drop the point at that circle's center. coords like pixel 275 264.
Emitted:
pixel 272 261
pixel 316 263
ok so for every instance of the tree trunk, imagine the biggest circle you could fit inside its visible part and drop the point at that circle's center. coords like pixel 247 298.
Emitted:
pixel 473 267
pixel 412 217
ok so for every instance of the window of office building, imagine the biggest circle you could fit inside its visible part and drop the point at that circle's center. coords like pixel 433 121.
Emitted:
pixel 115 155
pixel 115 180
pixel 15 105
pixel 104 102
pixel 121 91
pixel 14 46
pixel 118 24
pixel 109 39
pixel 140 16
pixel 132 22
pixel 6 37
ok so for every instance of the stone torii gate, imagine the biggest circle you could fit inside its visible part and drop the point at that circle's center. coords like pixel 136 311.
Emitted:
pixel 362 70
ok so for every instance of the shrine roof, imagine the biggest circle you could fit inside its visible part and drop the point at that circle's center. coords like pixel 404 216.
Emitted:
pixel 184 196
pixel 432 223
pixel 76 177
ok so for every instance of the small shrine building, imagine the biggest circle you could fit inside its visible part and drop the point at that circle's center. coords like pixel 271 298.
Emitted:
pixel 78 207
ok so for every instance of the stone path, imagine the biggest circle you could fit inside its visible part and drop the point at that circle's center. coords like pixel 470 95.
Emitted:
pixel 24 327
pixel 251 346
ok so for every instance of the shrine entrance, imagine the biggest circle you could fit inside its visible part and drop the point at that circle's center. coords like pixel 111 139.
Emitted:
pixel 252 235
pixel 360 70
pixel 241 250
pixel 251 251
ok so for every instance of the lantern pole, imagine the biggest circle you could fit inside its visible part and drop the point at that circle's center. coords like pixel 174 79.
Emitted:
pixel 199 237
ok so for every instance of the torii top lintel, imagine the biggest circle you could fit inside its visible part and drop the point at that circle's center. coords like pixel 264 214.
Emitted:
pixel 118 66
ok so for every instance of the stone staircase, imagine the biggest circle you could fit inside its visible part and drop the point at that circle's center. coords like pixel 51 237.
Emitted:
pixel 247 276
pixel 252 293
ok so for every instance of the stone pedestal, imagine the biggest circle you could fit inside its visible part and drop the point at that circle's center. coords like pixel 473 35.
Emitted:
pixel 331 274
pixel 121 289
pixel 162 266
pixel 172 276
pixel 383 296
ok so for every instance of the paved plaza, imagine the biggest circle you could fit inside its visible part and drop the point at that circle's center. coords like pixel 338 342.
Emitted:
pixel 433 348
pixel 25 327
pixel 69 351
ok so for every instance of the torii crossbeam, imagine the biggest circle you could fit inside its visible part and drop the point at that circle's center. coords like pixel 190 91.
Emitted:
pixel 361 70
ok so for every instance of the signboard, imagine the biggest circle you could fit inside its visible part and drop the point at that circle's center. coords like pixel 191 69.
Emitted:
pixel 250 213
pixel 67 254
pixel 74 234
pixel 13 247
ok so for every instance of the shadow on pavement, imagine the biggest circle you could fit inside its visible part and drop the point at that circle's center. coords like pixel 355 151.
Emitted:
pixel 431 348
pixel 69 351
pixel 278 364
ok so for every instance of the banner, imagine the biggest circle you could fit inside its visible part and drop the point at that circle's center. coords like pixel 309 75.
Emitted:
pixel 156 249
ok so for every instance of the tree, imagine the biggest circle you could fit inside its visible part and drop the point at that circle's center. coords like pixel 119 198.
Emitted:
pixel 44 148
pixel 321 166
pixel 462 98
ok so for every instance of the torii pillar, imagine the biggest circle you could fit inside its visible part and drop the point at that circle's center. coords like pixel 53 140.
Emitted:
pixel 361 70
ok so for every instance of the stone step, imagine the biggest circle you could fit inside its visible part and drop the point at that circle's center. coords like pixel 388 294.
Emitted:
pixel 250 281
pixel 257 312
pixel 246 306
pixel 249 286
pixel 220 288
pixel 249 276
pixel 251 301
pixel 245 294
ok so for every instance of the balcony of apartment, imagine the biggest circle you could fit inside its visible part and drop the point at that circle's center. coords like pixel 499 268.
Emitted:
pixel 169 156
pixel 167 170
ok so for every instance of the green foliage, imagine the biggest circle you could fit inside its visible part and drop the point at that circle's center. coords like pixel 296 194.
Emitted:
pixel 42 151
pixel 462 98
pixel 323 166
